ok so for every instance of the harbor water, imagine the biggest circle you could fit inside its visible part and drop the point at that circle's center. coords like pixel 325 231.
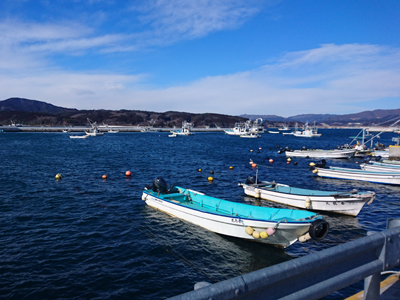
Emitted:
pixel 84 237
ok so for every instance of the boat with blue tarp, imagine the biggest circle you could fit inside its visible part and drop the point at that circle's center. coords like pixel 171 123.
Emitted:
pixel 275 226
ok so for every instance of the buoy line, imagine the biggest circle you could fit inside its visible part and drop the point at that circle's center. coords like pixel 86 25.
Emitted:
pixel 150 235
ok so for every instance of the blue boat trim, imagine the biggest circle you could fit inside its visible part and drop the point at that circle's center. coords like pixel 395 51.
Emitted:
pixel 277 215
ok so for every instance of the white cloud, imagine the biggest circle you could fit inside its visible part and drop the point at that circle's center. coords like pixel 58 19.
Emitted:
pixel 327 79
pixel 181 19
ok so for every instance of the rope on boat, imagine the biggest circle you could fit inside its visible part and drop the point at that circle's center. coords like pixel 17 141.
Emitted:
pixel 149 234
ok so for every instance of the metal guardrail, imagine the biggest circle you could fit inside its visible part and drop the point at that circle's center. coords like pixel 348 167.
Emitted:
pixel 315 275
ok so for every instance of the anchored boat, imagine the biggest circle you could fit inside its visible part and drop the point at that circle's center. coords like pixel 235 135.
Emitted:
pixel 275 226
pixel 380 167
pixel 349 203
pixel 356 174
pixel 94 130
pixel 185 131
pixel 320 153
pixel 307 131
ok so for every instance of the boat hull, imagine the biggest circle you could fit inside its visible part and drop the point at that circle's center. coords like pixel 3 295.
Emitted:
pixel 380 168
pixel 321 153
pixel 347 204
pixel 229 224
pixel 361 175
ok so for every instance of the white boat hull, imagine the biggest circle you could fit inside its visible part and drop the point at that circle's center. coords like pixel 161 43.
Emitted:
pixel 354 174
pixel 349 205
pixel 94 133
pixel 321 153
pixel 231 225
pixel 380 168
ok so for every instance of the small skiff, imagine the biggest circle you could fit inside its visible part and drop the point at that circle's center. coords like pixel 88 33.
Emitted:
pixel 250 135
pixel 380 167
pixel 275 226
pixel 79 136
pixel 357 174
pixel 349 203
pixel 319 153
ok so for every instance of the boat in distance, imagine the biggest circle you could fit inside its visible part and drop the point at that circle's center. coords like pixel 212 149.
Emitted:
pixel 78 136
pixel 320 153
pixel 250 135
pixel 348 203
pixel 307 131
pixel 356 174
pixel 274 226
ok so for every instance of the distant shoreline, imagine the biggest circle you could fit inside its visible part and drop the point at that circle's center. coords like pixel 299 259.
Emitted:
pixel 82 129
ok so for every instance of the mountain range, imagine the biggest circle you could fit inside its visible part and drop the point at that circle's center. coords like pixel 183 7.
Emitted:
pixel 34 112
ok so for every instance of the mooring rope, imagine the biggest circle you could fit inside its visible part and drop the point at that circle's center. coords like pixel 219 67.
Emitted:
pixel 167 248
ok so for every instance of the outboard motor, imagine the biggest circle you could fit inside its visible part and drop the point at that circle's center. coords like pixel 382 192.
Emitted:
pixel 321 163
pixel 159 185
pixel 304 148
pixel 319 229
pixel 251 180
pixel 287 149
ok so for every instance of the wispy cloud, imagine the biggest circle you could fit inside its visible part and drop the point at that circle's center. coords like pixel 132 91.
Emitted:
pixel 181 19
pixel 292 85
pixel 167 21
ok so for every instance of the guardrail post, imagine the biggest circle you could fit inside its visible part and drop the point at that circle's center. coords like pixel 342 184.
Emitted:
pixel 372 287
pixel 372 283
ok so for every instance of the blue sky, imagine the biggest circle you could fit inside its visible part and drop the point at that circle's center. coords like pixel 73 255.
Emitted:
pixel 232 57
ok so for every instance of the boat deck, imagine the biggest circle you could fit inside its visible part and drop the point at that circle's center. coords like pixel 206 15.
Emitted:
pixel 213 205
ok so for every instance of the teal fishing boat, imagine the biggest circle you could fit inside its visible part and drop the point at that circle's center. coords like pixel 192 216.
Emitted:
pixel 275 226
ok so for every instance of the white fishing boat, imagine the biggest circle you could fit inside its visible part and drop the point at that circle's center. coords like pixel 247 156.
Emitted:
pixel 186 129
pixel 94 130
pixel 250 135
pixel 284 128
pixel 349 203
pixel 320 153
pixel 172 135
pixel 380 167
pixel 78 136
pixel 357 174
pixel 257 126
pixel 287 133
pixel 239 129
pixel 275 226
pixel 307 131
pixel 273 132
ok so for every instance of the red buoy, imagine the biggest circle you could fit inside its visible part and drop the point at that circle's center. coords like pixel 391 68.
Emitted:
pixel 128 173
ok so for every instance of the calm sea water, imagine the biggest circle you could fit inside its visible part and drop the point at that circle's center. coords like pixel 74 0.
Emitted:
pixel 83 237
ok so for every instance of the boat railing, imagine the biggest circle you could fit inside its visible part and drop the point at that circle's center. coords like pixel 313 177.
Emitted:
pixel 315 275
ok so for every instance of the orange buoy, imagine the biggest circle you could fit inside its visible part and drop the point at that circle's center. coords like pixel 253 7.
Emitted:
pixel 230 168
pixel 104 176
pixel 128 173
pixel 288 162
pixel 253 165
pixel 271 160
